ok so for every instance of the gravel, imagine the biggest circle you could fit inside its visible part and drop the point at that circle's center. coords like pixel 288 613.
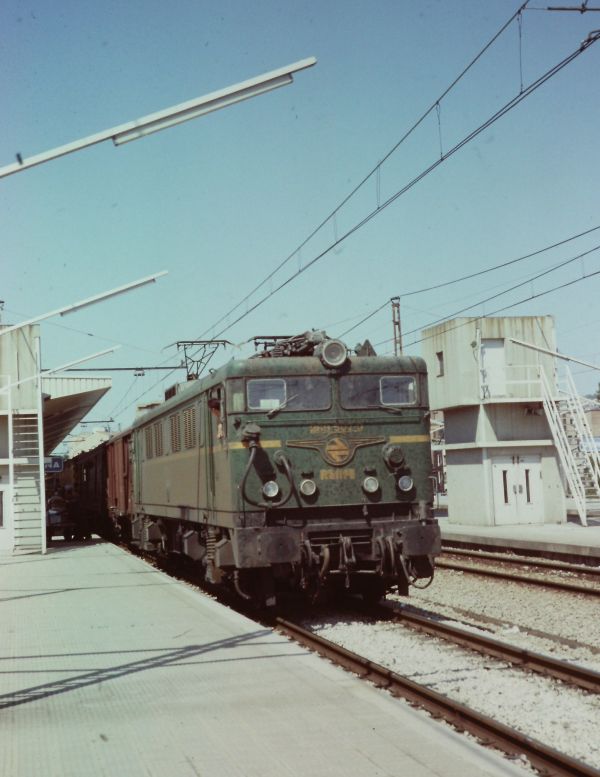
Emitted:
pixel 564 625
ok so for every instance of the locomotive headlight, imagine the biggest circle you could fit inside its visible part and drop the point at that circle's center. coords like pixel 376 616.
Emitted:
pixel 370 485
pixel 393 455
pixel 405 483
pixel 270 489
pixel 333 353
pixel 308 487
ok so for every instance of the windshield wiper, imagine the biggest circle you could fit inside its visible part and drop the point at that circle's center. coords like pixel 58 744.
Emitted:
pixel 390 409
pixel 274 410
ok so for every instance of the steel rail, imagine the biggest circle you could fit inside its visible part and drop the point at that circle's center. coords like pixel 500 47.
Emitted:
pixel 542 563
pixel 557 584
pixel 580 676
pixel 489 731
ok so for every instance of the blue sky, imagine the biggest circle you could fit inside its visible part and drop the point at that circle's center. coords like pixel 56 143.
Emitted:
pixel 221 201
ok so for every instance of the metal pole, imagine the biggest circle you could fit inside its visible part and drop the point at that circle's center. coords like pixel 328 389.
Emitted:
pixel 397 326
pixel 554 353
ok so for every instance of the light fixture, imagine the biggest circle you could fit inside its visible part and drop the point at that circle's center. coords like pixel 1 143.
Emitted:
pixel 86 302
pixel 332 353
pixel 154 122
pixel 405 483
pixel 308 487
pixel 210 102
pixel 270 489
pixel 370 485
pixel 393 455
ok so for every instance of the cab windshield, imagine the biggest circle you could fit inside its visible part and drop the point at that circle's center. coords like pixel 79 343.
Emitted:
pixel 306 392
pixel 366 391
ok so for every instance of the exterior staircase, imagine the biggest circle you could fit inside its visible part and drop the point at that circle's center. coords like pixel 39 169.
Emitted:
pixel 28 482
pixel 579 458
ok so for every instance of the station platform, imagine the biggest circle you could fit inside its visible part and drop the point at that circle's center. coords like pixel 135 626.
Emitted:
pixel 110 667
pixel 570 540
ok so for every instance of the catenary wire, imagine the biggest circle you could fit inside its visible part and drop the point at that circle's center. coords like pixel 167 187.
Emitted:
pixel 502 293
pixel 508 307
pixel 434 106
pixel 376 211
pixel 592 38
pixel 472 275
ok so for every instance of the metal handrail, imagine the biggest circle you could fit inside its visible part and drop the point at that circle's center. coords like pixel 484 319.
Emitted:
pixel 565 453
pixel 587 444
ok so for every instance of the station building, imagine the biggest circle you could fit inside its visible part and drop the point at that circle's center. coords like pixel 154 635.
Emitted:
pixel 37 411
pixel 515 439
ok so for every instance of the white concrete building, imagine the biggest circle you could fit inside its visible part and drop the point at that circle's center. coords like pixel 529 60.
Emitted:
pixel 502 465
pixel 36 413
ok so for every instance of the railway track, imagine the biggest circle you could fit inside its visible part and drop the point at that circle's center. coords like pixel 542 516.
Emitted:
pixel 540 563
pixel 576 675
pixel 504 574
pixel 490 732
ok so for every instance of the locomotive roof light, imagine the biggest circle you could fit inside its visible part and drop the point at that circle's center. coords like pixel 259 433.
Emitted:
pixel 393 455
pixel 270 489
pixel 332 353
pixel 370 485
pixel 405 483
pixel 308 487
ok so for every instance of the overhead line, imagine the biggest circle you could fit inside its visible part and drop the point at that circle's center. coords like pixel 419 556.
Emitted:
pixel 473 275
pixel 467 139
pixel 501 293
pixel 592 38
pixel 372 172
pixel 512 305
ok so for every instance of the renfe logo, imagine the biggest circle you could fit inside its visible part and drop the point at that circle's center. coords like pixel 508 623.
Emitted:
pixel 336 450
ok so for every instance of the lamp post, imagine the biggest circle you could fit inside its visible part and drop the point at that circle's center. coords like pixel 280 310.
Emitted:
pixel 86 302
pixel 176 114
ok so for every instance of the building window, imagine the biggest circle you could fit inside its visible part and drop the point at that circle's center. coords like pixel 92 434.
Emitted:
pixel 440 363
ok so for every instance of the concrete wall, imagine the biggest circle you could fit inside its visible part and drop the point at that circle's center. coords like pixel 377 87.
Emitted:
pixel 18 362
pixel 491 424
pixel 451 351
pixel 502 465
pixel 23 529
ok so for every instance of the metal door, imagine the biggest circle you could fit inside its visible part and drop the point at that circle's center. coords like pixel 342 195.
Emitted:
pixel 517 491
pixel 493 368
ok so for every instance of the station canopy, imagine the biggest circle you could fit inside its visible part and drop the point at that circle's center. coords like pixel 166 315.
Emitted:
pixel 66 401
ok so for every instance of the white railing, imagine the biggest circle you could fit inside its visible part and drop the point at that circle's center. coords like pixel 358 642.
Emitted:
pixel 515 381
pixel 565 454
pixel 586 443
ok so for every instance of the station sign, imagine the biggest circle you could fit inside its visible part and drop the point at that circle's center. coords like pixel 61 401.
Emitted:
pixel 53 464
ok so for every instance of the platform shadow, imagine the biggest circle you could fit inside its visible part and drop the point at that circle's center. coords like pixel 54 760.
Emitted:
pixel 165 659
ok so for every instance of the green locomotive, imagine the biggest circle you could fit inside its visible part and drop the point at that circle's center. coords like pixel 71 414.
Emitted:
pixel 302 468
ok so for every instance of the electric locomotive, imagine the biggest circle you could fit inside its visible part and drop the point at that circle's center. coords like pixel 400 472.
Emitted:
pixel 303 468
